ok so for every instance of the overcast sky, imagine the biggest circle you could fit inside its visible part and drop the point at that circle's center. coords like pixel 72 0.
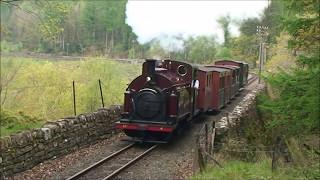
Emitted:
pixel 151 19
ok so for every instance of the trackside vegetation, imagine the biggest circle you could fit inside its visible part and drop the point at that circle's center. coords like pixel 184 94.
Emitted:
pixel 240 170
pixel 36 90
pixel 290 108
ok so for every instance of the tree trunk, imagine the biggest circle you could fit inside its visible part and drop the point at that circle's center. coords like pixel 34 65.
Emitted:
pixel 63 42
pixel 112 40
pixel 94 35
pixel 106 50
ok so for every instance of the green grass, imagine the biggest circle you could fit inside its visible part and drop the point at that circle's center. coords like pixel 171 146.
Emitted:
pixel 42 89
pixel 16 122
pixel 19 127
pixel 238 170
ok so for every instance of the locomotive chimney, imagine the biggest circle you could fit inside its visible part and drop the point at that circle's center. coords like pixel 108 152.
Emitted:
pixel 151 67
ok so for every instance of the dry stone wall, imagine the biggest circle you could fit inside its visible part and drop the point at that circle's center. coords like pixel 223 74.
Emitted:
pixel 246 109
pixel 26 149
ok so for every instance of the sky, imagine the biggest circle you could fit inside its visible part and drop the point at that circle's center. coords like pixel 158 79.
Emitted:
pixel 150 19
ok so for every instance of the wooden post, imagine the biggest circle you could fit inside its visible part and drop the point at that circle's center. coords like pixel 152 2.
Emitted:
pixel 275 153
pixel 201 160
pixel 206 136
pixel 74 98
pixel 198 162
pixel 101 94
pixel 196 156
pixel 215 161
pixel 228 120
pixel 213 135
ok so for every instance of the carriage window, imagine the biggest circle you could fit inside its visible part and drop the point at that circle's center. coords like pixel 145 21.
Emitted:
pixel 181 70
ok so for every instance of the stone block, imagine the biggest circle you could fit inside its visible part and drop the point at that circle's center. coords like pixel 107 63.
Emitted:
pixel 64 123
pixel 53 126
pixel 20 139
pixel 37 134
pixel 5 142
pixel 82 118
pixel 47 134
pixel 24 150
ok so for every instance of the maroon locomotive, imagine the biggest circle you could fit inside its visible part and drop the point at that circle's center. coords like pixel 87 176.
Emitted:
pixel 170 93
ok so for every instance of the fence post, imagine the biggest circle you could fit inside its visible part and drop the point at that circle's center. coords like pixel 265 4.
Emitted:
pixel 74 99
pixel 196 156
pixel 201 161
pixel 206 136
pixel 198 162
pixel 101 94
pixel 213 135
pixel 275 153
pixel 228 120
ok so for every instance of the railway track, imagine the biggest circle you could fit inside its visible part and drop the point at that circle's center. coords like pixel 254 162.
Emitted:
pixel 113 164
pixel 252 79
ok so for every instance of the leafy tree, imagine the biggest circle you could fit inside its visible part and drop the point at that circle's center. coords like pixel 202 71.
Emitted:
pixel 303 24
pixel 248 26
pixel 201 49
pixel 294 108
pixel 93 27
pixel 273 17
pixel 224 22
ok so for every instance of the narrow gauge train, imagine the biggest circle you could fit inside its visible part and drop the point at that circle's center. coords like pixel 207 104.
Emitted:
pixel 170 93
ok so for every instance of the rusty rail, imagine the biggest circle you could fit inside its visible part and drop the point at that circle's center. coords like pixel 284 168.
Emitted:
pixel 108 158
pixel 84 171
pixel 129 163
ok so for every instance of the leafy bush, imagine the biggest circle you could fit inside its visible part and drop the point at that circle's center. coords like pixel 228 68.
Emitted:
pixel 295 108
pixel 15 122
pixel 10 46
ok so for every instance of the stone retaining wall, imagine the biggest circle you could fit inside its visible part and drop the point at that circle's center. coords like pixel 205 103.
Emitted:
pixel 24 150
pixel 246 109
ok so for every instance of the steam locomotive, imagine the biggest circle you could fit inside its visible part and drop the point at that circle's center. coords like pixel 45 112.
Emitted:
pixel 168 94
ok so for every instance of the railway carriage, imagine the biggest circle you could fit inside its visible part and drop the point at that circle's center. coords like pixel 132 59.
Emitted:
pixel 244 69
pixel 233 79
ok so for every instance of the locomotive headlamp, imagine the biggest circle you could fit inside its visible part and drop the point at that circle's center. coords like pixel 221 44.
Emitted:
pixel 148 79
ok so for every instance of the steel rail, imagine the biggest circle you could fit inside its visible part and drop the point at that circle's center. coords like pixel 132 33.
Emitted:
pixel 129 163
pixel 84 171
pixel 251 80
